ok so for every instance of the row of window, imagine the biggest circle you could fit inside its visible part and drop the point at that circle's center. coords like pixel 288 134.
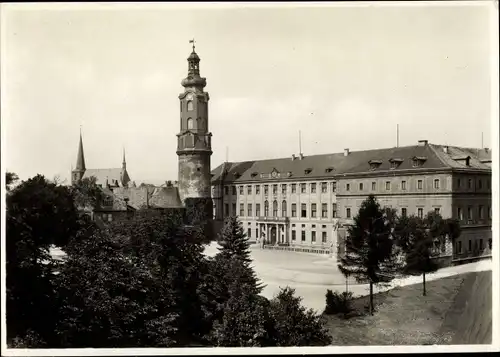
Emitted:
pixel 420 185
pixel 470 183
pixel 477 246
pixel 275 209
pixel 470 212
pixel 313 236
pixel 284 187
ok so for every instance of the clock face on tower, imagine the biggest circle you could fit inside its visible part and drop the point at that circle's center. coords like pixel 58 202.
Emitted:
pixel 189 96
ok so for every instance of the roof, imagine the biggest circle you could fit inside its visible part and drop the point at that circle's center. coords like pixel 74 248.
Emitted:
pixel 113 176
pixel 153 197
pixel 356 162
pixel 80 158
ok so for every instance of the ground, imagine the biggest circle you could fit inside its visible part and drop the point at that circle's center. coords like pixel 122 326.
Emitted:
pixel 312 274
pixel 449 314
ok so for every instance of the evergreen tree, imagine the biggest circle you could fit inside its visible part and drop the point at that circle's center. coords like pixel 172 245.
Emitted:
pixel 370 253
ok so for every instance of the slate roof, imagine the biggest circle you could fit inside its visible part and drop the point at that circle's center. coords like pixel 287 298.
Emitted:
pixel 113 176
pixel 356 162
pixel 159 197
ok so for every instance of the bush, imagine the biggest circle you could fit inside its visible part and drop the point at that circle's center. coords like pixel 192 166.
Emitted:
pixel 338 303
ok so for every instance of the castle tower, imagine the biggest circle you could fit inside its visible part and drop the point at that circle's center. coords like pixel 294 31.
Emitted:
pixel 194 139
pixel 79 171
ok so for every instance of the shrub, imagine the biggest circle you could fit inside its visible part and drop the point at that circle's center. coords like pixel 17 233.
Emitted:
pixel 338 303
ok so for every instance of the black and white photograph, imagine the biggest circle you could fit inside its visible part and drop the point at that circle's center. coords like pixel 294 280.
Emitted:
pixel 249 178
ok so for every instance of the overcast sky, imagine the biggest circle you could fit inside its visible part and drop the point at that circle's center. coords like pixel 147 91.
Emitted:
pixel 344 76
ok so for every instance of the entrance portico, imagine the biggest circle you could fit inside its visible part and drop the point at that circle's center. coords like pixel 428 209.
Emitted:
pixel 274 230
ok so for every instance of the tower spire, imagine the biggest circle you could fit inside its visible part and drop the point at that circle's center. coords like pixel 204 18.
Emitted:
pixel 80 158
pixel 124 163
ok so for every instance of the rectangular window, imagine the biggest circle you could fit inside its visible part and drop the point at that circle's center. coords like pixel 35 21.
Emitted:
pixel 256 232
pixel 234 190
pixel 313 236
pixel 403 212
pixel 460 213
pixel 459 248
pixel 303 236
pixel 257 189
pixel 324 210
pixel 324 187
pixel 275 189
pixel 283 188
pixel 374 186
pixel 303 188
pixel 403 185
pixel 249 233
pixel 294 210
pixel 249 189
pixel 387 185
pixel 469 212
pixel 348 213
pixel 489 212
pixel 361 186
pixel 437 210
pixel 242 210
pixel 294 187
pixel 488 183
pixel 323 237
pixel 313 187
pixel 303 209
pixel 420 213
pixel 266 189
pixel 226 209
pixel 293 235
pixel 334 186
pixel 481 244
pixel 481 212
pixel 470 245
pixel 257 209
pixel 470 183
pixel 241 190
pixel 275 209
pixel 347 186
pixel 313 210
pixel 234 209
pixel 249 210
pixel 283 209
pixel 110 217
pixel 479 184
pixel 226 190
pixel 334 210
pixel 436 183
pixel 459 183
pixel 419 184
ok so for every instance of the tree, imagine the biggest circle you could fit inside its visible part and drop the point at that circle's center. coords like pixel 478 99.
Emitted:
pixel 112 298
pixel 370 246
pixel 293 324
pixel 88 195
pixel 10 179
pixel 39 214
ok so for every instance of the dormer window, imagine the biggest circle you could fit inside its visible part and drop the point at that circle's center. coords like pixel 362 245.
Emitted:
pixel 328 170
pixel 254 174
pixel 289 173
pixel 465 160
pixel 374 164
pixel 308 171
pixel 418 161
pixel 237 175
pixel 395 163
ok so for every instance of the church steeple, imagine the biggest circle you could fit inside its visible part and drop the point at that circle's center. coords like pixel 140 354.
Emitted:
pixel 77 173
pixel 124 163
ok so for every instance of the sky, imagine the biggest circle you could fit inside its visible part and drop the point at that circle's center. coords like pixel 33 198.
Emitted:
pixel 344 76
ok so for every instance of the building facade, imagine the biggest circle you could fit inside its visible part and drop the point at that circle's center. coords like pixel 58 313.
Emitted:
pixel 309 201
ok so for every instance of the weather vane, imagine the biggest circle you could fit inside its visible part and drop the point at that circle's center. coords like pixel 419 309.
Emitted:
pixel 192 41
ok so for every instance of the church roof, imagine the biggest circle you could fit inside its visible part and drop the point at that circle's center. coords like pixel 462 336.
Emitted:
pixel 80 158
pixel 356 162
pixel 113 176
pixel 150 196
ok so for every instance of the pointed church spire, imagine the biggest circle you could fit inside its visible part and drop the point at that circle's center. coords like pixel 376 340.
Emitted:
pixel 80 159
pixel 124 163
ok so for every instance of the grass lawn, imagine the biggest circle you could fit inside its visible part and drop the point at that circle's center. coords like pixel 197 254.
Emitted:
pixel 404 317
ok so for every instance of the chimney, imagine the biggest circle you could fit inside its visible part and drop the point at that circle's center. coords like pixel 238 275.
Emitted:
pixel 293 157
pixel 486 149
pixel 169 183
pixel 301 156
pixel 422 142
pixel 445 149
pixel 346 152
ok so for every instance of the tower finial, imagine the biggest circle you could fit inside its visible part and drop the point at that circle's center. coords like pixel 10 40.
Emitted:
pixel 193 42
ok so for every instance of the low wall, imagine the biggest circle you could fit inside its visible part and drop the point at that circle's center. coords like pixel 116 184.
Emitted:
pixel 298 249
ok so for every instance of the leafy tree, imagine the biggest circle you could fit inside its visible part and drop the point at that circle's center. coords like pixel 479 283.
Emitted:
pixel 88 195
pixel 293 324
pixel 112 298
pixel 199 212
pixel 39 214
pixel 10 179
pixel 370 246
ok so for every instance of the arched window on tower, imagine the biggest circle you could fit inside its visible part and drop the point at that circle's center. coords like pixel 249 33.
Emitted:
pixel 190 123
pixel 275 208
pixel 189 105
pixel 266 208
pixel 283 208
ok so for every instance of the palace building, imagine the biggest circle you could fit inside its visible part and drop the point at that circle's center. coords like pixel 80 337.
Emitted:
pixel 308 201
